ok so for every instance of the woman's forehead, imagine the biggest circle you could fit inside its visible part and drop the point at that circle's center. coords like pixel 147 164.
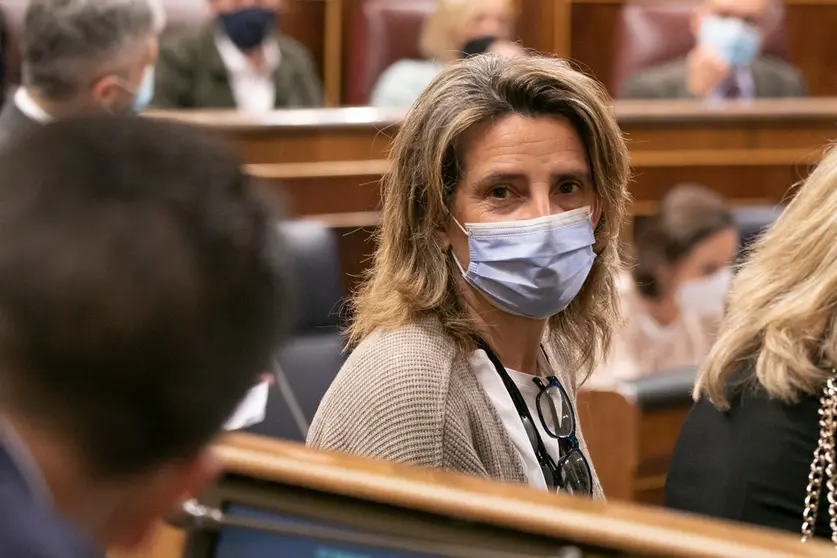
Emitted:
pixel 517 143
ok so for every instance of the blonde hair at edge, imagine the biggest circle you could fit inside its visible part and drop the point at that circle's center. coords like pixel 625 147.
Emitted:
pixel 437 42
pixel 781 309
pixel 413 275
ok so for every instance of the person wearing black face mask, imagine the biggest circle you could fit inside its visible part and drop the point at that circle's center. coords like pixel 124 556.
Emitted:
pixel 239 60
pixel 489 44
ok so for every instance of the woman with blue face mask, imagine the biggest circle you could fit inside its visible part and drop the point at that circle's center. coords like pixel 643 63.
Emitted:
pixel 673 299
pixel 493 290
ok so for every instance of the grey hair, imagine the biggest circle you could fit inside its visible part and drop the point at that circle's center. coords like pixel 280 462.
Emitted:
pixel 67 44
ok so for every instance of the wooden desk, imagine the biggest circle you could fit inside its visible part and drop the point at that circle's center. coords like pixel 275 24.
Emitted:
pixel 330 159
pixel 626 529
pixel 300 135
pixel 631 431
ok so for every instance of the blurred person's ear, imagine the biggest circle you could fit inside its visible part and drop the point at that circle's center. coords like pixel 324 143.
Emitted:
pixel 157 496
pixel 109 93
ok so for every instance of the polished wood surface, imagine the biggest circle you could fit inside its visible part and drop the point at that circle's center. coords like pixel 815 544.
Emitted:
pixel 630 528
pixel 301 135
pixel 630 446
pixel 660 133
pixel 752 150
pixel 304 20
pixel 163 542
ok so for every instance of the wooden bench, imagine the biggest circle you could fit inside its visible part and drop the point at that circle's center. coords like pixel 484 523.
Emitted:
pixel 330 160
pixel 333 496
pixel 631 430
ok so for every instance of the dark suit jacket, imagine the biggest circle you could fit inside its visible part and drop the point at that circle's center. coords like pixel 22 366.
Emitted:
pixel 771 77
pixel 13 123
pixel 190 73
pixel 28 529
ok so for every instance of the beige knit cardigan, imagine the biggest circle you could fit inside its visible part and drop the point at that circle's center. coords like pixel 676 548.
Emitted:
pixel 409 395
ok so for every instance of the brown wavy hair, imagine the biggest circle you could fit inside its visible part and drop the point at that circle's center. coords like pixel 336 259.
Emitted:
pixel 413 275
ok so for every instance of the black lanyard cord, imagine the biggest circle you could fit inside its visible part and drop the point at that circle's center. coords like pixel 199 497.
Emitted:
pixel 519 403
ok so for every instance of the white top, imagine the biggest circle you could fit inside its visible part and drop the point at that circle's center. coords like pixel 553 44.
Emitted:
pixel 252 408
pixel 502 401
pixel 401 84
pixel 254 91
pixel 27 105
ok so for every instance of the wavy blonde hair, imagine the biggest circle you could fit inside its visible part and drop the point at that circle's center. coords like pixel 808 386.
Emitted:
pixel 779 328
pixel 436 41
pixel 413 275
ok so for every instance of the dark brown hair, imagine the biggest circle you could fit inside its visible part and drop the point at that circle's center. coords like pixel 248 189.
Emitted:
pixel 688 215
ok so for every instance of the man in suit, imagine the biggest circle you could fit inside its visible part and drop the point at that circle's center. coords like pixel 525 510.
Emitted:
pixel 139 300
pixel 726 60
pixel 81 56
pixel 238 60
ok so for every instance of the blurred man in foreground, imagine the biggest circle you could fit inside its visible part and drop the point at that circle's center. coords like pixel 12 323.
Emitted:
pixel 83 56
pixel 726 62
pixel 139 301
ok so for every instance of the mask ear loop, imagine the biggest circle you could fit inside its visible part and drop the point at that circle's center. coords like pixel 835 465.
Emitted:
pixel 450 248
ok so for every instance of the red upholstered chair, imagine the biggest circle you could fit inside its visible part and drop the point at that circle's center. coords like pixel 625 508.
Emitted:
pixel 383 32
pixel 650 33
pixel 179 14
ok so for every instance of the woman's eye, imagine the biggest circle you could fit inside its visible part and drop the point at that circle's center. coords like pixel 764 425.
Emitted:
pixel 499 192
pixel 568 187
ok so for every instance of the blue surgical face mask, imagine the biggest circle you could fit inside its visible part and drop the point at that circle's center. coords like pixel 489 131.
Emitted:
pixel 735 40
pixel 531 268
pixel 143 96
pixel 706 296
pixel 247 28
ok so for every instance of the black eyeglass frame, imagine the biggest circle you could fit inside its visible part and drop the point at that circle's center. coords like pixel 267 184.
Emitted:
pixel 550 469
pixel 568 442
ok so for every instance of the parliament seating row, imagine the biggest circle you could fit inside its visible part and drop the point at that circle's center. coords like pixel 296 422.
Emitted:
pixel 329 161
pixel 609 39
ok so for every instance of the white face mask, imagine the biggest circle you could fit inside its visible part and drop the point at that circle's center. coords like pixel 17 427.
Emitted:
pixel 706 296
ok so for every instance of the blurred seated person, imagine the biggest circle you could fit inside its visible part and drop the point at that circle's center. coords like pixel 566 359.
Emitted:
pixel 139 302
pixel 490 44
pixel 82 56
pixel 726 62
pixel 444 36
pixel 237 60
pixel 767 396
pixel 673 299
